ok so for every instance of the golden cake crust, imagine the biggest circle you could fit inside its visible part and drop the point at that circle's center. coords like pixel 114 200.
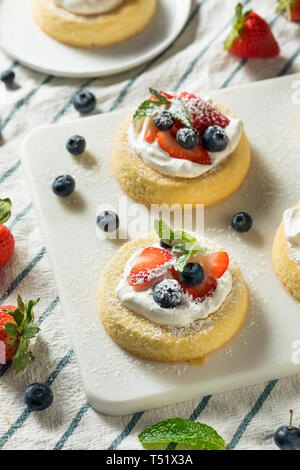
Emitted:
pixel 150 187
pixel 151 341
pixel 287 270
pixel 106 29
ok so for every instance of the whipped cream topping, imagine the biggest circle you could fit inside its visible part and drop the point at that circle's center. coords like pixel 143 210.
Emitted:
pixel 89 7
pixel 291 223
pixel 155 157
pixel 142 302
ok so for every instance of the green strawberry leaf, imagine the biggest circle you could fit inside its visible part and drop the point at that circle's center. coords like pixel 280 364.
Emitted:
pixel 17 315
pixel 21 304
pixel 29 331
pixel 285 6
pixel 182 431
pixel 22 356
pixel 11 329
pixel 178 111
pixel 5 210
pixel 237 27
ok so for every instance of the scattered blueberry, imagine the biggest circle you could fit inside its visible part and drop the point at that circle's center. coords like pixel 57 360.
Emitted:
pixel 214 139
pixel 188 138
pixel 168 293
pixel 63 185
pixel 288 437
pixel 192 274
pixel 108 221
pixel 242 222
pixel 84 102
pixel 38 397
pixel 76 144
pixel 164 121
pixel 7 77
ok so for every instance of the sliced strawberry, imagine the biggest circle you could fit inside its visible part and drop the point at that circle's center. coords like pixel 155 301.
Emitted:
pixel 214 265
pixel 202 113
pixel 167 95
pixel 152 264
pixel 151 132
pixel 170 145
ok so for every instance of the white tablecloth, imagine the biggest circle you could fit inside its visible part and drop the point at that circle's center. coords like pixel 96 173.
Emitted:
pixel 195 62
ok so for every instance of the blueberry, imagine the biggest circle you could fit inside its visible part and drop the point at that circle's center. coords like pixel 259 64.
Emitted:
pixel 214 139
pixel 108 221
pixel 63 185
pixel 242 222
pixel 7 77
pixel 165 245
pixel 76 144
pixel 164 121
pixel 188 138
pixel 168 293
pixel 38 397
pixel 84 102
pixel 192 274
pixel 288 437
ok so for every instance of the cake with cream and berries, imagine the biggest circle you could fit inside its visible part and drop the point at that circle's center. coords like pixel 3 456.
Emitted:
pixel 92 23
pixel 171 296
pixel 286 251
pixel 180 149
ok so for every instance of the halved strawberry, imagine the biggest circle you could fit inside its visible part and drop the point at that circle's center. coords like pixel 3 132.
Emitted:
pixel 152 264
pixel 151 131
pixel 167 95
pixel 170 145
pixel 214 265
pixel 202 113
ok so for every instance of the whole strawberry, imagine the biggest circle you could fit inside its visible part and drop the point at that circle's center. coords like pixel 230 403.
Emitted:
pixel 251 36
pixel 17 328
pixel 291 7
pixel 7 242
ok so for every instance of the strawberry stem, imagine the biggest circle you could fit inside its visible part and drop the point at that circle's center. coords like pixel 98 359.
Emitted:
pixel 5 210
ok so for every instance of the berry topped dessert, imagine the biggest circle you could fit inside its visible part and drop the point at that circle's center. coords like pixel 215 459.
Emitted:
pixel 286 251
pixel 171 296
pixel 92 23
pixel 180 148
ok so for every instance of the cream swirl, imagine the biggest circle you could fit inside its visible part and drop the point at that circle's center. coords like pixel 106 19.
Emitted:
pixel 291 223
pixel 89 7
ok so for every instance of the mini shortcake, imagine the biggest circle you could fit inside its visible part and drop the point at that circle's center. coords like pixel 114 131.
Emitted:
pixel 92 23
pixel 286 251
pixel 178 148
pixel 171 297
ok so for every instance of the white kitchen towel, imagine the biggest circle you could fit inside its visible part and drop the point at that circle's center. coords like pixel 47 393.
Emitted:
pixel 196 62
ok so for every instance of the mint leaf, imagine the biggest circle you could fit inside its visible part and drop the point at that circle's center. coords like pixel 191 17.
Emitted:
pixel 182 431
pixel 5 210
pixel 10 328
pixel 184 236
pixel 178 111
pixel 159 96
pixel 148 108
pixel 179 263
pixel 29 331
pixel 163 230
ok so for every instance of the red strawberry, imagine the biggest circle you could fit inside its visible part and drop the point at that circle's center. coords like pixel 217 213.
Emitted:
pixel 151 131
pixel 291 7
pixel 152 264
pixel 202 113
pixel 16 330
pixel 214 266
pixel 251 36
pixel 7 242
pixel 170 145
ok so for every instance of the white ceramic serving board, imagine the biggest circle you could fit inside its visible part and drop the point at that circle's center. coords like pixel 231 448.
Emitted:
pixel 22 39
pixel 115 381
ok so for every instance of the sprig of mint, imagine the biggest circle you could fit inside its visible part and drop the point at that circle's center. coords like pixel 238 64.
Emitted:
pixel 183 243
pixel 150 108
pixel 24 329
pixel 182 431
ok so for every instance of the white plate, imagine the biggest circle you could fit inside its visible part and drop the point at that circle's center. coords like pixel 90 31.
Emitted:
pixel 22 39
pixel 115 381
